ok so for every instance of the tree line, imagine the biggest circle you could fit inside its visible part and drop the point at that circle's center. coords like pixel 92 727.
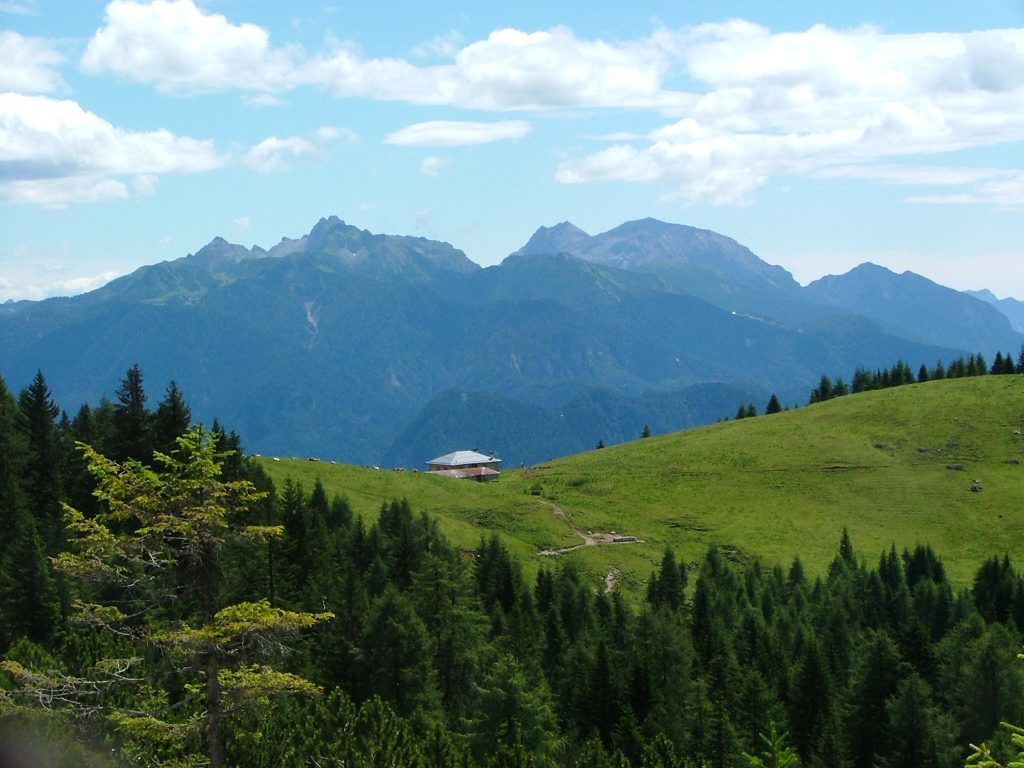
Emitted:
pixel 142 596
pixel 864 379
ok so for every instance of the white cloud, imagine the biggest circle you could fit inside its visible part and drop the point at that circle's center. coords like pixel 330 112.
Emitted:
pixel 27 64
pixel 750 104
pixel 19 9
pixel 510 69
pixel 1003 187
pixel 1005 192
pixel 176 46
pixel 272 154
pixel 788 104
pixel 275 154
pixel 432 165
pixel 262 100
pixel 33 288
pixel 455 133
pixel 331 133
pixel 930 175
pixel 440 46
pixel 54 153
pixel 243 223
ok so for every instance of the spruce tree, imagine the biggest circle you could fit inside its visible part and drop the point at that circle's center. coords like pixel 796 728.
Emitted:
pixel 171 419
pixel 12 459
pixel 157 548
pixel 42 469
pixel 29 600
pixel 776 752
pixel 131 419
pixel 773 405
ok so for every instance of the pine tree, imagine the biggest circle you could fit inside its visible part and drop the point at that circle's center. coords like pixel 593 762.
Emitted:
pixel 171 420
pixel 824 390
pixel 776 754
pixel 646 431
pixel 131 419
pixel 997 364
pixel 29 601
pixel 875 679
pixel 157 545
pixel 666 587
pixel 919 735
pixel 398 651
pixel 773 405
pixel 42 470
pixel 12 458
pixel 513 714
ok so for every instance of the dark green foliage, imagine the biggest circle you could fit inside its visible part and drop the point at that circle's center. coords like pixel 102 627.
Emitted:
pixel 171 419
pixel 131 419
pixel 824 390
pixel 920 736
pixel 398 656
pixel 440 657
pixel 42 468
pixel 746 411
pixel 667 585
pixel 901 374
pixel 774 406
pixel 874 680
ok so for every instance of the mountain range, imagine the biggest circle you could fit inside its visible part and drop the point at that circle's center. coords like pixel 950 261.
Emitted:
pixel 370 348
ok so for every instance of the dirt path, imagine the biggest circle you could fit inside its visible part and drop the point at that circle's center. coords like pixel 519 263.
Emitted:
pixel 590 539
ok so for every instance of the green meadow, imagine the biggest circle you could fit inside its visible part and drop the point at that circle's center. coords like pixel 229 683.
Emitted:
pixel 894 467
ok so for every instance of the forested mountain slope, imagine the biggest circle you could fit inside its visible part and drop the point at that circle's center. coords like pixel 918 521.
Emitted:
pixel 341 343
pixel 200 611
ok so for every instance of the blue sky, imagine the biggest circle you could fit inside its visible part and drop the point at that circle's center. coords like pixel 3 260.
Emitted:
pixel 821 135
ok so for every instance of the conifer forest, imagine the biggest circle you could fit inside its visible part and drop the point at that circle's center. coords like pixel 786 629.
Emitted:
pixel 163 603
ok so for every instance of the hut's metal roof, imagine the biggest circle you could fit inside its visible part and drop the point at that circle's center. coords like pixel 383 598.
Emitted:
pixel 461 458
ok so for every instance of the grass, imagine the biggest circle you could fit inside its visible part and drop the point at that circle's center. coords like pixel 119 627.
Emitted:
pixel 772 487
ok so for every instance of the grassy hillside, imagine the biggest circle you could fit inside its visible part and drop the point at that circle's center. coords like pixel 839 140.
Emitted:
pixel 893 466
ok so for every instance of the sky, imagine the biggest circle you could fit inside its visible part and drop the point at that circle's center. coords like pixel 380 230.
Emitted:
pixel 820 135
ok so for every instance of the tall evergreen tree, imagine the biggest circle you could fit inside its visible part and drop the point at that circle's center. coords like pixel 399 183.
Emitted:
pixel 42 470
pixel 874 681
pixel 171 420
pixel 163 577
pixel 29 601
pixel 12 460
pixel 919 736
pixel 131 419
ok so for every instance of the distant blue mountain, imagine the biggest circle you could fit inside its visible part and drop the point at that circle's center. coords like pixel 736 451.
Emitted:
pixel 349 345
pixel 913 306
pixel 1012 308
